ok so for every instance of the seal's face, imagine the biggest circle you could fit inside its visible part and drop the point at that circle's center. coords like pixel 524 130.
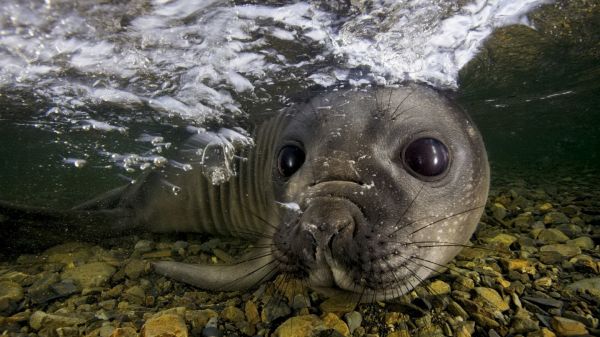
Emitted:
pixel 389 183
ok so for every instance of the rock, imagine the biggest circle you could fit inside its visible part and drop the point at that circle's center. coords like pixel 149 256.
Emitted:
pixel 332 321
pixel 463 283
pixel 10 293
pixel 589 285
pixel 568 327
pixel 502 239
pixel 135 295
pixel 583 242
pixel 498 211
pixel 439 287
pixel 338 304
pixel 232 314
pixel 251 312
pixel 274 309
pixel 89 275
pixel 199 318
pixel 167 325
pixel 135 268
pixel 520 265
pixel 555 218
pixel 543 332
pixel 522 323
pixel 298 326
pixel 547 302
pixel 144 246
pixel 124 332
pixel 353 320
pixel 490 298
pixel 40 319
pixel 552 235
pixel 65 288
pixel 562 249
pixel 545 207
pixel 70 253
pixel 543 282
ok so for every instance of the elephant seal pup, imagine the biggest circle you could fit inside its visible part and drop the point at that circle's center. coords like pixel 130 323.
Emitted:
pixel 366 192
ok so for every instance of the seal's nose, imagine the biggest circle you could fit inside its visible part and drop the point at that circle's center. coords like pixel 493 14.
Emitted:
pixel 326 219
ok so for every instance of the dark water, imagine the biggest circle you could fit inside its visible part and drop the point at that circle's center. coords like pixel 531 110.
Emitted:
pixel 535 95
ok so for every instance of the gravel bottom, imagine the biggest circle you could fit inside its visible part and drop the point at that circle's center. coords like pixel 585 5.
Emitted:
pixel 534 270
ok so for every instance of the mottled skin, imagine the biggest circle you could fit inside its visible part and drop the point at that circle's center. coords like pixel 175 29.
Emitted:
pixel 354 218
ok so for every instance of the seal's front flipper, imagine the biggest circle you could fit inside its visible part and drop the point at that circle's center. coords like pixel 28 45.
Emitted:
pixel 30 229
pixel 250 271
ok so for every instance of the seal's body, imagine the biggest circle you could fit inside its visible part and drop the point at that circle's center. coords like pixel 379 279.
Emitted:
pixel 368 192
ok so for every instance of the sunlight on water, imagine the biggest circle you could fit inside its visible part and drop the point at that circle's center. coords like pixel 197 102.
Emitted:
pixel 101 67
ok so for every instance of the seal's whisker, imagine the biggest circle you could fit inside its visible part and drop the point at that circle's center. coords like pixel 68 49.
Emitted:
pixel 251 259
pixel 254 234
pixel 393 114
pixel 431 244
pixel 259 217
pixel 408 207
pixel 434 222
pixel 397 281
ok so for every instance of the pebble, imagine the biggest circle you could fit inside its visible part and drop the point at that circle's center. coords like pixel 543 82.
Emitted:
pixel 298 326
pixel 124 332
pixel 89 275
pixel 135 268
pixel 353 320
pixel 10 293
pixel 568 327
pixel 251 312
pixel 274 309
pixel 490 298
pixel 439 287
pixel 552 235
pixel 332 321
pixel 520 265
pixel 232 314
pixel 498 211
pixel 164 325
pixel 338 304
pixel 583 242
pixel 562 249
pixel 555 218
pixel 144 246
pixel 502 239
pixel 40 319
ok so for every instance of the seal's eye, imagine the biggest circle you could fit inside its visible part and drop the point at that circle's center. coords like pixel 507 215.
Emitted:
pixel 290 160
pixel 427 157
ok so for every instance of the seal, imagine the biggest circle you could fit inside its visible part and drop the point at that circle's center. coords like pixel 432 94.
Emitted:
pixel 365 192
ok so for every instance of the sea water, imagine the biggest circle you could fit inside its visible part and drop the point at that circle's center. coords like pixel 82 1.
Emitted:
pixel 93 92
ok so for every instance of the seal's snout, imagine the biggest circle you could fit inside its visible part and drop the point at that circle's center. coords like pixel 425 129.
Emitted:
pixel 332 221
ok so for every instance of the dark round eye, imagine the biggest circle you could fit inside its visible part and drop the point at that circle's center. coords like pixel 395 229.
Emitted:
pixel 290 160
pixel 427 157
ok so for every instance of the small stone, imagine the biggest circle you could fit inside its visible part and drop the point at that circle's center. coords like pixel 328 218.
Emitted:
pixel 498 211
pixel 338 304
pixel 543 332
pixel 589 285
pixel 144 246
pixel 354 320
pixel 135 295
pixel 274 309
pixel 439 287
pixel 520 265
pixel 562 249
pixel 490 298
pixel 300 301
pixel 543 282
pixel 40 319
pixel 545 207
pixel 391 318
pixel 89 275
pixel 298 326
pixel 199 318
pixel 552 235
pixel 547 302
pixel 463 283
pixel 167 325
pixel 568 327
pixel 502 239
pixel 232 314
pixel 332 321
pixel 583 242
pixel 69 253
pixel 158 254
pixel 555 218
pixel 124 332
pixel 10 293
pixel 135 268
pixel 251 312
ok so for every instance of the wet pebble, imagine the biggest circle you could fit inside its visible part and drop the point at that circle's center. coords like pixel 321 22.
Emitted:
pixel 164 325
pixel 568 327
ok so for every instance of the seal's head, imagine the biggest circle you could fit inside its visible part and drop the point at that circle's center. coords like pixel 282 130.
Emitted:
pixel 389 183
